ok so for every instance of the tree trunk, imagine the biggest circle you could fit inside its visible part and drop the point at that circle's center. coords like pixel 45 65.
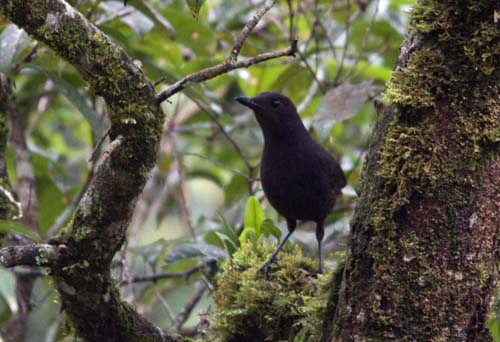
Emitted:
pixel 424 247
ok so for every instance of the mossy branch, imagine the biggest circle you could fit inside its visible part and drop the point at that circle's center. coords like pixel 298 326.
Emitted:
pixel 31 255
pixel 89 295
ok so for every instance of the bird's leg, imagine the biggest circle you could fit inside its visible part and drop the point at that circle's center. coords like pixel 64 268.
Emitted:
pixel 320 232
pixel 265 268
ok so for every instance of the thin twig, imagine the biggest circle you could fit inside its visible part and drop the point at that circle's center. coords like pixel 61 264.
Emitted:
pixel 183 316
pixel 363 42
pixel 311 93
pixel 168 308
pixel 201 286
pixel 311 71
pixel 326 32
pixel 168 275
pixel 291 15
pixel 97 148
pixel 236 147
pixel 182 197
pixel 64 216
pixel 340 66
pixel 238 44
pixel 28 58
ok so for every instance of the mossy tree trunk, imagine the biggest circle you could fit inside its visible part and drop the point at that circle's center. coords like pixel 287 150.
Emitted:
pixel 424 247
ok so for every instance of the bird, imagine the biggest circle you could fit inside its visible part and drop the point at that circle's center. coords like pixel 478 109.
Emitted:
pixel 300 179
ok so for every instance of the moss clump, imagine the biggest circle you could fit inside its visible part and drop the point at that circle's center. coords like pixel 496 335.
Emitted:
pixel 288 306
pixel 415 85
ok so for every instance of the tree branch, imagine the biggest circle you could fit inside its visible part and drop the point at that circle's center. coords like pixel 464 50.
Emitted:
pixel 238 44
pixel 223 68
pixel 31 255
pixel 169 275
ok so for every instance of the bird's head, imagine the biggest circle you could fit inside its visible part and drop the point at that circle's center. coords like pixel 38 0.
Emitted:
pixel 276 114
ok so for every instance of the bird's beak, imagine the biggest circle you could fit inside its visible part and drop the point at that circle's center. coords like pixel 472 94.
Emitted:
pixel 248 102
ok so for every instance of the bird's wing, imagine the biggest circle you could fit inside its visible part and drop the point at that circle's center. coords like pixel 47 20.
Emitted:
pixel 336 177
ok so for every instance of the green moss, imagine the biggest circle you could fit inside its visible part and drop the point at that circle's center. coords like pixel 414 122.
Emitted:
pixel 288 306
pixel 415 84
pixel 427 150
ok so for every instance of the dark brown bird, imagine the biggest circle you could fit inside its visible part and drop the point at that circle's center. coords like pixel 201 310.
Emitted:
pixel 300 179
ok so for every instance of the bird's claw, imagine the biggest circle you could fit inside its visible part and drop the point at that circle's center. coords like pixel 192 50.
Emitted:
pixel 265 268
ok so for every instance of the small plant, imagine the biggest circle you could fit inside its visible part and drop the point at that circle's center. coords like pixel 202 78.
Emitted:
pixel 256 225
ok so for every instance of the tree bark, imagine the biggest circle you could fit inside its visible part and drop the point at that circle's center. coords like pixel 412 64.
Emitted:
pixel 423 253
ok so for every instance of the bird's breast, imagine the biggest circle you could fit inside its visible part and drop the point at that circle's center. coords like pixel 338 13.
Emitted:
pixel 295 183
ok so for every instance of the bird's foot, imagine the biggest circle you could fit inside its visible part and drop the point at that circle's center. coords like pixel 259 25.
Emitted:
pixel 320 270
pixel 265 268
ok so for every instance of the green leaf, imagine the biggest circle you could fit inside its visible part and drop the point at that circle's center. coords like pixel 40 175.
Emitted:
pixel 194 7
pixel 194 35
pixel 12 42
pixel 226 239
pixel 78 100
pixel 268 228
pixel 12 227
pixel 340 103
pixel 158 19
pixel 237 187
pixel 7 291
pixel 229 231
pixel 195 250
pixel 248 234
pixel 221 240
pixel 212 238
pixel 5 311
pixel 153 252
pixel 254 215
pixel 228 244
pixel 380 73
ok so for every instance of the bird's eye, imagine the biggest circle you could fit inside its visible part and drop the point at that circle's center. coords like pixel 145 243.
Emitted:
pixel 275 103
